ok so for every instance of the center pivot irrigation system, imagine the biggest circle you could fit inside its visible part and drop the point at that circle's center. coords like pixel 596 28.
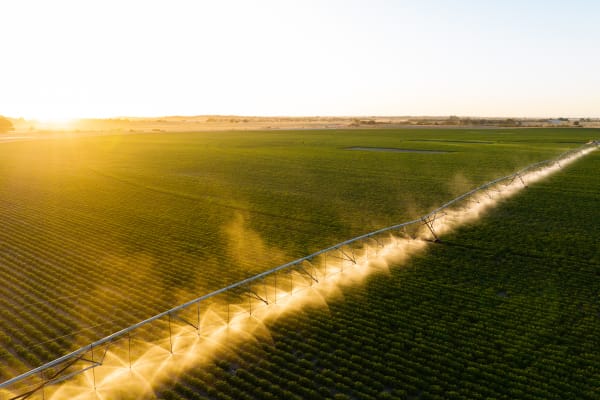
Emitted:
pixel 257 291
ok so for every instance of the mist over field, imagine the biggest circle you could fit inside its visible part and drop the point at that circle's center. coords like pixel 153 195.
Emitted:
pixel 134 225
pixel 299 200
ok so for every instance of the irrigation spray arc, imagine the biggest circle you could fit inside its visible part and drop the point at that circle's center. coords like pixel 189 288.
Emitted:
pixel 131 360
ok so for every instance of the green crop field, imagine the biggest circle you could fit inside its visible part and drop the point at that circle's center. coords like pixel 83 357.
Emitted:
pixel 506 308
pixel 100 232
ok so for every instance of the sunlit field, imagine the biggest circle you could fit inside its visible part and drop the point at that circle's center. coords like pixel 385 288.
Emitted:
pixel 101 232
pixel 503 308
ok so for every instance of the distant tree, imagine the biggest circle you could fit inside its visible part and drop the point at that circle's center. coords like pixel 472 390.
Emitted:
pixel 453 120
pixel 5 125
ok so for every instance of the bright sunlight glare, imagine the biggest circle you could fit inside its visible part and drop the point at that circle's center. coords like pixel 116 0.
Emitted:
pixel 67 58
pixel 224 326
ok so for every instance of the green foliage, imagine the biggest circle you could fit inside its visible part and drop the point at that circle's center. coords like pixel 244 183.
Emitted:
pixel 5 125
pixel 493 311
pixel 102 232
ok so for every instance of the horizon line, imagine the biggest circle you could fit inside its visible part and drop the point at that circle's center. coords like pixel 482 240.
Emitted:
pixel 341 116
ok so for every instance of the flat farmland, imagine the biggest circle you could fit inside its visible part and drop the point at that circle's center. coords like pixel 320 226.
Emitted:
pixel 505 307
pixel 100 232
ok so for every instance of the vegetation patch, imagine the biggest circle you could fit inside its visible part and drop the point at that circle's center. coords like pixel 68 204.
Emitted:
pixel 492 311
pixel 102 232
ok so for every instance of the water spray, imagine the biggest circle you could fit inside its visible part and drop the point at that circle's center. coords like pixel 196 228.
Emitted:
pixel 130 362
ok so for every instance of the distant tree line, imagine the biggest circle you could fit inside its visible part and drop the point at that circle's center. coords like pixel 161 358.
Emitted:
pixel 5 125
pixel 454 120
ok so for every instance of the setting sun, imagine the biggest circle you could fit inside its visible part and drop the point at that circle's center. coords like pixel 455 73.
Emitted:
pixel 51 119
pixel 299 199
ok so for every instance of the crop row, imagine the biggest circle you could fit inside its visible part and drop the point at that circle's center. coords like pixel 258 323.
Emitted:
pixel 472 318
pixel 93 240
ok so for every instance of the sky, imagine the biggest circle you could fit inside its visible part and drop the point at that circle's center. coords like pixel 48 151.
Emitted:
pixel 65 59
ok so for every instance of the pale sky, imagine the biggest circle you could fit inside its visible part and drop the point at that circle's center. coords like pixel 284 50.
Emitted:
pixel 91 58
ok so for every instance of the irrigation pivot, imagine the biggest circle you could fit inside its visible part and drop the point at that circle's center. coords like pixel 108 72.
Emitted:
pixel 258 291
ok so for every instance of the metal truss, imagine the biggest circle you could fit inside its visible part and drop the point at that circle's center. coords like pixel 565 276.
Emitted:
pixel 253 288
